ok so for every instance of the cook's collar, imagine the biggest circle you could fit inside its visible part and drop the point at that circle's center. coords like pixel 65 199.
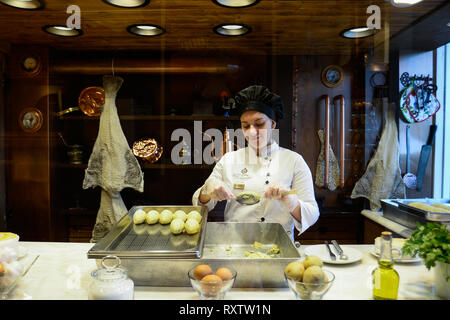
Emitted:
pixel 266 151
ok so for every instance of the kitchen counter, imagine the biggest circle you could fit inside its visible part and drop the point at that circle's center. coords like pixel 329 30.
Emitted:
pixel 389 224
pixel 62 272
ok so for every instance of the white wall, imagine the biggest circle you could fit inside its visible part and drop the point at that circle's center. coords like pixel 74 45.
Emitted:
pixel 418 63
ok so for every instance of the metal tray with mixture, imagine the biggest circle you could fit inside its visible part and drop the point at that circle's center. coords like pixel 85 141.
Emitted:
pixel 225 244
pixel 400 210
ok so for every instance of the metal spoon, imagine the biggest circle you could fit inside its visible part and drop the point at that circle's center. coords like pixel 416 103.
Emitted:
pixel 250 198
pixel 342 256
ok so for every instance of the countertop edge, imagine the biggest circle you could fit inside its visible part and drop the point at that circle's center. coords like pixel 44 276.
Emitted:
pixel 377 217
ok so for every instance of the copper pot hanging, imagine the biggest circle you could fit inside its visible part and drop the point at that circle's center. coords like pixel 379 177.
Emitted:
pixel 147 149
pixel 91 100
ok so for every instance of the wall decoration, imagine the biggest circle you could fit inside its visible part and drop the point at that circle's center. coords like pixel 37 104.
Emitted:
pixel 31 65
pixel 332 76
pixel 30 120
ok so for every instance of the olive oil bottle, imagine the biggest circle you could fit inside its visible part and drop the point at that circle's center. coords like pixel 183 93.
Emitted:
pixel 384 278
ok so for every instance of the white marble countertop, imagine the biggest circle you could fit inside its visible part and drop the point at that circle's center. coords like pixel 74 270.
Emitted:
pixel 62 272
pixel 389 224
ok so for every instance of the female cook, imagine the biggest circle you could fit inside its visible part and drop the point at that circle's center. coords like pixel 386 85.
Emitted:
pixel 263 168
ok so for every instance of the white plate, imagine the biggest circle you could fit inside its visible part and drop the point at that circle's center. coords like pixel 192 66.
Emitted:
pixel 322 252
pixel 401 260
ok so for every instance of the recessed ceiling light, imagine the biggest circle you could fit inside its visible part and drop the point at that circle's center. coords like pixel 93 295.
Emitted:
pixel 24 4
pixel 232 29
pixel 404 3
pixel 146 30
pixel 236 3
pixel 127 3
pixel 358 32
pixel 62 31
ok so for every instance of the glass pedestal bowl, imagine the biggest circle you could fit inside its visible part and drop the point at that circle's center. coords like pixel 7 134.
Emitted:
pixel 311 291
pixel 210 290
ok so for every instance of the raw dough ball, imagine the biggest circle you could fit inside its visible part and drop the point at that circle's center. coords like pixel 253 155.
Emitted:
pixel 180 214
pixel 166 216
pixel 295 270
pixel 192 226
pixel 313 275
pixel 139 216
pixel 152 217
pixel 177 226
pixel 195 215
pixel 312 260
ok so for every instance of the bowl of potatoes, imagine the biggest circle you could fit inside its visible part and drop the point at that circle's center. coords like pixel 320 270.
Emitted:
pixel 307 279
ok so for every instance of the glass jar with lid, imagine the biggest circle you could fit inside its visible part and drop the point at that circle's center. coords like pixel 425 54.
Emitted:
pixel 111 282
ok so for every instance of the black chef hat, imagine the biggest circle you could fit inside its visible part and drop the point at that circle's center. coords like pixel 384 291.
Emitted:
pixel 259 98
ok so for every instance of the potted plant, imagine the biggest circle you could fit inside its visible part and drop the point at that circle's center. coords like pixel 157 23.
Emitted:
pixel 432 243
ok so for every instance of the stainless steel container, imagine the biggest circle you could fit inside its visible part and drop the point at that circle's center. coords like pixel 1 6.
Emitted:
pixel 399 211
pixel 224 244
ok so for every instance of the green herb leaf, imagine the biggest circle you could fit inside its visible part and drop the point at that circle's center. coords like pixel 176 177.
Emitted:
pixel 431 242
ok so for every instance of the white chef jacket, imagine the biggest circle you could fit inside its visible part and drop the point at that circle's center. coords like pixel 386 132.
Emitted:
pixel 276 166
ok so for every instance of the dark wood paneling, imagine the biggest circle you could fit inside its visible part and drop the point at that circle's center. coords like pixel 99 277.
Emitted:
pixel 311 114
pixel 3 215
pixel 28 154
pixel 343 227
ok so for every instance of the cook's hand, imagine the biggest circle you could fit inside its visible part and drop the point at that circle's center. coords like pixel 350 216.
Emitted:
pixel 289 200
pixel 217 191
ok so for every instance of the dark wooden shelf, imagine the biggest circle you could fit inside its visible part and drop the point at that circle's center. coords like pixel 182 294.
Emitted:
pixel 78 212
pixel 206 117
pixel 143 166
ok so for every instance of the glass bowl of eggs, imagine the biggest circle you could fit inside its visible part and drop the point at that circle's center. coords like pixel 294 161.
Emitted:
pixel 210 285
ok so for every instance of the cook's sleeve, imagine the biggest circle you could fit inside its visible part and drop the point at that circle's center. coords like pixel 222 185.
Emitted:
pixel 216 175
pixel 303 183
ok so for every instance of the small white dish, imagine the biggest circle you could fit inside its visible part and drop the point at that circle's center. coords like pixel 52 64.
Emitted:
pixel 400 260
pixel 322 252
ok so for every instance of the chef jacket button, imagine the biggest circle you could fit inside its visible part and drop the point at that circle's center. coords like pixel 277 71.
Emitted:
pixel 267 181
pixel 268 174
pixel 262 219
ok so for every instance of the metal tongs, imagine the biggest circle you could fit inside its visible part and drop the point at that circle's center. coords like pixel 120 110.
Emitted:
pixel 338 248
pixel 332 255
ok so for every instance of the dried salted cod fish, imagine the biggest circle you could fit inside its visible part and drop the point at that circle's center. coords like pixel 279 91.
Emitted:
pixel 382 179
pixel 112 165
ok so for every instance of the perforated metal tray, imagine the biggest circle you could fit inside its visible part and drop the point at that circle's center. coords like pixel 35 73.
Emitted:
pixel 127 239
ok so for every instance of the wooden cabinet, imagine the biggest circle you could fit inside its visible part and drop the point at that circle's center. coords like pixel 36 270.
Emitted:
pixel 373 230
pixel 345 227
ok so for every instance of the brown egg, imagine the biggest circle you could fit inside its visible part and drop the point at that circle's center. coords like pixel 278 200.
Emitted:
pixel 224 273
pixel 211 284
pixel 202 271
